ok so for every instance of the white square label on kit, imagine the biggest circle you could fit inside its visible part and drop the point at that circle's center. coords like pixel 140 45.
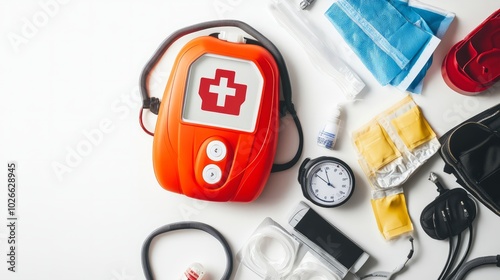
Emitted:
pixel 223 92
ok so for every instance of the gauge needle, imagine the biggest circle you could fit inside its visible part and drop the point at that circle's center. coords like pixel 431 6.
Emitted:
pixel 323 179
pixel 328 178
pixel 327 182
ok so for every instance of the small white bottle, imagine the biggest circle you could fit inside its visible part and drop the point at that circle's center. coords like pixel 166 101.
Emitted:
pixel 328 134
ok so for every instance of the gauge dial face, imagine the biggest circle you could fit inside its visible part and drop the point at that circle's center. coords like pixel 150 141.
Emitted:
pixel 330 183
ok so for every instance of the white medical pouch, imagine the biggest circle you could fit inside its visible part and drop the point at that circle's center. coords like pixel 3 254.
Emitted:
pixel 390 148
pixel 394 144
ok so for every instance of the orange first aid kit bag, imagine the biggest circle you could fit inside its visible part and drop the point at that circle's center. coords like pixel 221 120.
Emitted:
pixel 218 120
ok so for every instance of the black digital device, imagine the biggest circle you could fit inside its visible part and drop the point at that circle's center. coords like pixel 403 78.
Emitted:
pixel 326 242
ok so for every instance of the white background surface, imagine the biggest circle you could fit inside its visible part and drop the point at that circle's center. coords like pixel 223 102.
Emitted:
pixel 77 70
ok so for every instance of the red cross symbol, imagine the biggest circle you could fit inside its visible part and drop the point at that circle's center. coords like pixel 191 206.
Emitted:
pixel 221 94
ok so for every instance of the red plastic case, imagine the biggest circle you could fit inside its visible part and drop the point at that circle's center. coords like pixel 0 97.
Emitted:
pixel 201 148
pixel 473 64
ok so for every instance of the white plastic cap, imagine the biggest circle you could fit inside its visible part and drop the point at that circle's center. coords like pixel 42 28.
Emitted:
pixel 336 112
pixel 231 37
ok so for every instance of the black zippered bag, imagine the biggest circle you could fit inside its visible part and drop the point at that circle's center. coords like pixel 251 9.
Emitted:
pixel 471 152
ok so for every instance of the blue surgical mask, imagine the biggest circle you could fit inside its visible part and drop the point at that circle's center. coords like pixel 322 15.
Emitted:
pixel 394 39
pixel 431 19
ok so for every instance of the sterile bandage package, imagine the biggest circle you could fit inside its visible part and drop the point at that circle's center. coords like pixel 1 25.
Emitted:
pixel 395 39
pixel 310 267
pixel 390 148
pixel 272 252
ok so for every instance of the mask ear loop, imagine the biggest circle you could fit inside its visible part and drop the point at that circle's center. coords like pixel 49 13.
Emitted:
pixel 386 274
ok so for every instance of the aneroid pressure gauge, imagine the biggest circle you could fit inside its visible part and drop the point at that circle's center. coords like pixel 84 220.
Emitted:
pixel 326 181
